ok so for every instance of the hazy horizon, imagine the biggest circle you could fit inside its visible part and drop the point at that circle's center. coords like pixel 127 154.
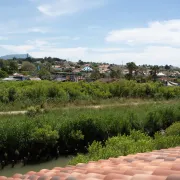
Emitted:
pixel 112 31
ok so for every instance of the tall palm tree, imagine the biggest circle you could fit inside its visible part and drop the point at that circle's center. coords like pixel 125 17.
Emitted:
pixel 154 71
pixel 131 66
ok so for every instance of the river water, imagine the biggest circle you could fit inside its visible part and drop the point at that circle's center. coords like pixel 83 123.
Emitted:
pixel 8 171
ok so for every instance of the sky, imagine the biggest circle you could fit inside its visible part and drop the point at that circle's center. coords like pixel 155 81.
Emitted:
pixel 113 31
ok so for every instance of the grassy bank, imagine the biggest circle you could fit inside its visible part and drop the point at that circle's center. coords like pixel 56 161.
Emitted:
pixel 71 130
pixel 21 95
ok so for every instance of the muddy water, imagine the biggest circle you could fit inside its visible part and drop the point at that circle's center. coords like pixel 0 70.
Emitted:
pixel 19 168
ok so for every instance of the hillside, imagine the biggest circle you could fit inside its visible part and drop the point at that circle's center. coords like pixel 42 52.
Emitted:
pixel 17 56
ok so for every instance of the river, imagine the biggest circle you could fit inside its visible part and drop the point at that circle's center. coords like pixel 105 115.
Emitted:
pixel 8 171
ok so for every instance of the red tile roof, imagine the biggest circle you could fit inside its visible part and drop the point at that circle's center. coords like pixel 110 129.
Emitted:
pixel 157 165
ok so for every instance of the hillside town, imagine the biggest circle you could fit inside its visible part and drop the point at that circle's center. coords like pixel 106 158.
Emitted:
pixel 35 69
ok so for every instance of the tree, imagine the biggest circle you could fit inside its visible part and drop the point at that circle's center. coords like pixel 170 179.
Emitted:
pixel 116 73
pixel 4 65
pixel 3 74
pixel 27 66
pixel 154 71
pixel 167 67
pixel 95 74
pixel 80 62
pixel 44 74
pixel 48 66
pixel 131 66
pixel 13 67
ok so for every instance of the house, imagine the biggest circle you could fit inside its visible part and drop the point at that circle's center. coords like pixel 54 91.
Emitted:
pixel 10 78
pixel 125 71
pixel 67 76
pixel 104 68
pixel 76 70
pixel 160 74
pixel 16 77
pixel 34 79
pixel 57 68
pixel 87 69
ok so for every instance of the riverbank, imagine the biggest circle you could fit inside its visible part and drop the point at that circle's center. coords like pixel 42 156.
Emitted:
pixel 8 171
pixel 71 130
pixel 162 164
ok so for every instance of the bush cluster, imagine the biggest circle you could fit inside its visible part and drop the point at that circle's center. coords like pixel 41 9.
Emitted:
pixel 29 93
pixel 136 142
pixel 69 131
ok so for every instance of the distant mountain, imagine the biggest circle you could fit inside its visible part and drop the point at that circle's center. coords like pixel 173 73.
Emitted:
pixel 17 56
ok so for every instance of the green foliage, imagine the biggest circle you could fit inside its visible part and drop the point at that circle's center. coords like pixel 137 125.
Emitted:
pixel 131 66
pixel 77 135
pixel 45 135
pixel 12 94
pixel 13 67
pixel 44 74
pixel 173 130
pixel 27 66
pixel 124 145
pixel 33 111
pixel 3 74
pixel 36 92
pixel 123 130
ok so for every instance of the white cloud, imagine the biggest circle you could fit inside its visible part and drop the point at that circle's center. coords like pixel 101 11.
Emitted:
pixel 29 30
pixel 18 48
pixel 73 54
pixel 37 43
pixel 106 50
pixel 37 30
pixel 63 7
pixel 155 55
pixel 159 33
pixel 159 55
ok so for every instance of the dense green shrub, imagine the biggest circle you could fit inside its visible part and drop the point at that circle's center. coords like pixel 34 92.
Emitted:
pixel 33 111
pixel 75 129
pixel 173 130
pixel 136 142
pixel 36 92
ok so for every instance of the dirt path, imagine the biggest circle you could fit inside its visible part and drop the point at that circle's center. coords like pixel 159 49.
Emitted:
pixel 12 112
pixel 90 107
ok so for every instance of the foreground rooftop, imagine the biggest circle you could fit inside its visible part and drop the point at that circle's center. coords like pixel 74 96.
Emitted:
pixel 157 165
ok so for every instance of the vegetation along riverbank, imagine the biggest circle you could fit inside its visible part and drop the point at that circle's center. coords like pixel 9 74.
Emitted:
pixel 42 135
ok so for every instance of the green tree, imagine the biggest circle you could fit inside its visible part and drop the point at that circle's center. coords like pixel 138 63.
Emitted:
pixel 154 71
pixel 80 62
pixel 27 66
pixel 3 74
pixel 116 72
pixel 167 67
pixel 131 66
pixel 95 74
pixel 48 66
pixel 44 74
pixel 13 67
pixel 4 66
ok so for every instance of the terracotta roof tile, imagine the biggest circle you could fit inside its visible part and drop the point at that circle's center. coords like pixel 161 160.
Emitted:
pixel 156 165
pixel 173 177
